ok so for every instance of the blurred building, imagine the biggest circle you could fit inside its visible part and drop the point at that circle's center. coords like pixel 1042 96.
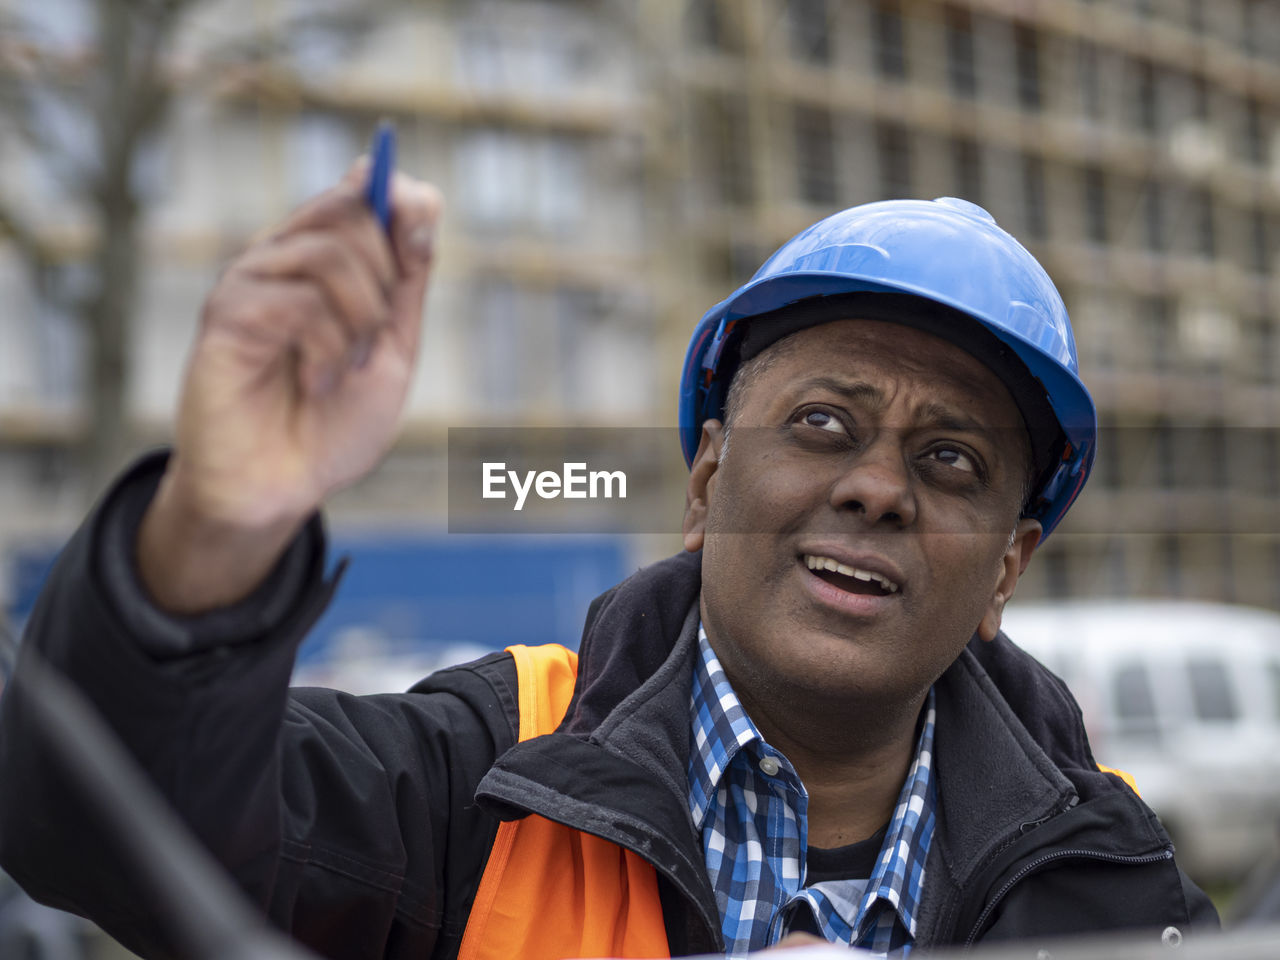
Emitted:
pixel 1133 146
pixel 614 168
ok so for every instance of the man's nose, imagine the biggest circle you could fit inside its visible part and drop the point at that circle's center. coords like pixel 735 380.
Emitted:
pixel 877 484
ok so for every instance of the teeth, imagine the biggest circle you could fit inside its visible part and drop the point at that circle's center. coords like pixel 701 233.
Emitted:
pixel 826 563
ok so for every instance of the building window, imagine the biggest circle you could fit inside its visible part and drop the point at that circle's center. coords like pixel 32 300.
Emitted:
pixel 510 179
pixel 1199 457
pixel 1115 569
pixel 56 23
pixel 1156 316
pixel 815 155
pixel 1200 98
pixel 1249 455
pixel 1216 452
pixel 1170 554
pixel 731 263
pixel 1095 205
pixel 1202 206
pixel 1195 16
pixel 890 44
pixel 1090 83
pixel 893 152
pixel 966 165
pixel 1034 201
pixel 1264 351
pixel 1273 676
pixel 961 72
pixel 809 23
pixel 1259 246
pixel 1255 146
pixel 714 24
pixel 1057 581
pixel 560 183
pixel 603 361
pixel 68 145
pixel 1026 48
pixel 1153 216
pixel 321 146
pixel 1144 99
pixel 496 330
pixel 1251 38
pixel 1111 441
pixel 56 358
pixel 1258 345
pixel 501 54
pixel 492 170
pixel 1165 449
pixel 1275 566
pixel 725 143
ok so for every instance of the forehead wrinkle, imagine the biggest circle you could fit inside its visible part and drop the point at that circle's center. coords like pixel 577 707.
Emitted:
pixel 856 390
pixel 934 414
pixel 928 413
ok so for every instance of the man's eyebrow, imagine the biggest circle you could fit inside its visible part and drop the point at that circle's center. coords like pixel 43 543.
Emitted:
pixel 942 417
pixel 932 413
pixel 852 389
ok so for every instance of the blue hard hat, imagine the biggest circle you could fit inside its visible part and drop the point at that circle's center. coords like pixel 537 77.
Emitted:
pixel 950 257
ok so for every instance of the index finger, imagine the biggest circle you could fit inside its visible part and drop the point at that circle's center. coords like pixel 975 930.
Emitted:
pixel 341 204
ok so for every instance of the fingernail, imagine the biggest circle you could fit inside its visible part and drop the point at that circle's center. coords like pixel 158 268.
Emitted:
pixel 358 166
pixel 422 241
pixel 361 351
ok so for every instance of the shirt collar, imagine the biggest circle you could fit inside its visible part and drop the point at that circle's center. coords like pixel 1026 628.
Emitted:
pixel 721 728
pixel 899 873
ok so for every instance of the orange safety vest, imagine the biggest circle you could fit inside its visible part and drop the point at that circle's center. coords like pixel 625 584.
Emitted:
pixel 548 891
pixel 1123 775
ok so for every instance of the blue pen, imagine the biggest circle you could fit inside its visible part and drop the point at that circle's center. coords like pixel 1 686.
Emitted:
pixel 378 192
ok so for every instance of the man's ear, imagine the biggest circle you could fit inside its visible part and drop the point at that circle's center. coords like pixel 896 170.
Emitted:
pixel 1012 565
pixel 701 481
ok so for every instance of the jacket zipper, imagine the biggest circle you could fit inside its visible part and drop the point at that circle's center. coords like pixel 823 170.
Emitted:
pixel 1166 854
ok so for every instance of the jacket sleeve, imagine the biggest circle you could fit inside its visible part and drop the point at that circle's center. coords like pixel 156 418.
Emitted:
pixel 1202 915
pixel 349 820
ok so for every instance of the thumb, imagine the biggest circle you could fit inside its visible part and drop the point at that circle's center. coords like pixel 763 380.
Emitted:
pixel 358 173
pixel 415 213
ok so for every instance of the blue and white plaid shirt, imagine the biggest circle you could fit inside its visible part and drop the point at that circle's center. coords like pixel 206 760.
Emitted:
pixel 751 809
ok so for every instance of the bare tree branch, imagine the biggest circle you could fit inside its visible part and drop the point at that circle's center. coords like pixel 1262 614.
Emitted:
pixel 31 94
pixel 24 237
pixel 42 263
pixel 120 88
pixel 287 40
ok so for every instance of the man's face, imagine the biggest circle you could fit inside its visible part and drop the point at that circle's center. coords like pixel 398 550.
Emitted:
pixel 888 452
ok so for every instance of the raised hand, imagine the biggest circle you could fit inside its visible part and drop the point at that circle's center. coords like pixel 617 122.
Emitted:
pixel 294 388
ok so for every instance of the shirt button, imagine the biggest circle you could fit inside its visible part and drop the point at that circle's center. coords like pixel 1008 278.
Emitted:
pixel 769 766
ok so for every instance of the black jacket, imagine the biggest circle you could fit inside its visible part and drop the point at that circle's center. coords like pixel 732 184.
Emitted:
pixel 362 824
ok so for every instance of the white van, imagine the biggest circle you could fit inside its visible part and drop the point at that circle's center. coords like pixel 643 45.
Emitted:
pixel 1186 697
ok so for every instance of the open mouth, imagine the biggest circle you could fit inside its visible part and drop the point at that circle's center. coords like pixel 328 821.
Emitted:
pixel 867 583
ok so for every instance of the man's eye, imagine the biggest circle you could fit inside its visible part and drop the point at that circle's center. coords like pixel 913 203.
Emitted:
pixel 822 421
pixel 954 457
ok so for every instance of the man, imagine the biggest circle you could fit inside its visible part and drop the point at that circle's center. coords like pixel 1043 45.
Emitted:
pixel 807 723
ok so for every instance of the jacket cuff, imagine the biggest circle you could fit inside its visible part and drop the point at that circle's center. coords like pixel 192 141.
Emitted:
pixel 166 636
